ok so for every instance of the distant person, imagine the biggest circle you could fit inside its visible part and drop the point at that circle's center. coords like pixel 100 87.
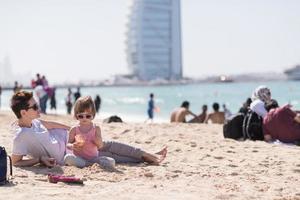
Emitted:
pixel 16 88
pixel 77 94
pixel 216 117
pixel 227 112
pixel 38 80
pixel 151 107
pixel 33 83
pixel 69 101
pixel 42 96
pixel 0 95
pixel 246 106
pixel 97 102
pixel 201 118
pixel 260 97
pixel 45 82
pixel 281 123
pixel 179 114
pixel 53 99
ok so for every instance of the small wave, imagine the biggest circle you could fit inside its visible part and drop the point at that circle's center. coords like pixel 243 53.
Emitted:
pixel 132 100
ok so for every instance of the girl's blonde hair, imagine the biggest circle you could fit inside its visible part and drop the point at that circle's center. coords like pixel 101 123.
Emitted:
pixel 84 103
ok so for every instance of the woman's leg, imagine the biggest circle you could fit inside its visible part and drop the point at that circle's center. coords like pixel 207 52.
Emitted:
pixel 125 153
pixel 122 153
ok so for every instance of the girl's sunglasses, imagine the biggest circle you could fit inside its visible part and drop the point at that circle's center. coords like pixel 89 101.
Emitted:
pixel 34 107
pixel 87 116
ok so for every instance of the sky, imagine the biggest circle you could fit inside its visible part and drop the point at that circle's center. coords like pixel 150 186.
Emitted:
pixel 71 40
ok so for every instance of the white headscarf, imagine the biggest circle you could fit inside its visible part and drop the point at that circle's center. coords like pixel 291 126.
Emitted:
pixel 262 93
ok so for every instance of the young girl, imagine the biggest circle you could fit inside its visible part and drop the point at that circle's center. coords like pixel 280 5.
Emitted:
pixel 85 138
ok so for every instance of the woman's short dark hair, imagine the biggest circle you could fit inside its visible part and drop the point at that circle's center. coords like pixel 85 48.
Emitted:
pixel 19 101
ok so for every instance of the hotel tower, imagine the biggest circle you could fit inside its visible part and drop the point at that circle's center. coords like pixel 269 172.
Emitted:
pixel 154 40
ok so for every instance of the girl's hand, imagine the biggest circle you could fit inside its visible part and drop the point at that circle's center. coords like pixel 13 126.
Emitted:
pixel 77 146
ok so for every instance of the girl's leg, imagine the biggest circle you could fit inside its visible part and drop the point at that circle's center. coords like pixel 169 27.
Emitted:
pixel 72 160
pixel 104 161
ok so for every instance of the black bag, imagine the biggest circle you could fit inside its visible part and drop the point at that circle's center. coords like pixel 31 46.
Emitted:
pixel 252 126
pixel 3 166
pixel 233 126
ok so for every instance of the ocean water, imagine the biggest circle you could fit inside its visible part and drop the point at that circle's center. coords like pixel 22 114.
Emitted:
pixel 130 102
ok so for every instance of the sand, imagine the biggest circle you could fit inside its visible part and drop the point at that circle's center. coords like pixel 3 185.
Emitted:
pixel 200 164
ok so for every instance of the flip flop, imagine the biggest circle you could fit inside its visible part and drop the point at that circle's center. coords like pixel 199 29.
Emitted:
pixel 65 179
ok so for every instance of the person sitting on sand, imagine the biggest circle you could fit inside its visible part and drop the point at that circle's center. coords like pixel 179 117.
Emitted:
pixel 281 123
pixel 216 117
pixel 260 97
pixel 87 136
pixel 201 118
pixel 179 114
pixel 45 141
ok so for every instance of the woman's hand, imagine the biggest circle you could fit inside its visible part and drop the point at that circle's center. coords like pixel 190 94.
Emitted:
pixel 49 162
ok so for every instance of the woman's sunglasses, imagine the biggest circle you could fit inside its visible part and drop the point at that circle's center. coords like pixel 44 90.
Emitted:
pixel 34 107
pixel 87 116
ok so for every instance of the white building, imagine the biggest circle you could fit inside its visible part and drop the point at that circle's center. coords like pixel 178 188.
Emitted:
pixel 154 40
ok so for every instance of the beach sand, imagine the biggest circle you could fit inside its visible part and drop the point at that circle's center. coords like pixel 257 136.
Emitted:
pixel 200 165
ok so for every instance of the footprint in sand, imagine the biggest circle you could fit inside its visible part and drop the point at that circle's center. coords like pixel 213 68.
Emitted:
pixel 229 151
pixel 193 144
pixel 218 157
pixel 234 174
pixel 296 170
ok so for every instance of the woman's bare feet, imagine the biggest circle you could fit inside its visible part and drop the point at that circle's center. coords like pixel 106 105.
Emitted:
pixel 154 159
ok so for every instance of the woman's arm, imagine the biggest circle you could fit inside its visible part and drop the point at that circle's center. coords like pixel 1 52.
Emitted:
pixel 98 138
pixel 18 161
pixel 52 125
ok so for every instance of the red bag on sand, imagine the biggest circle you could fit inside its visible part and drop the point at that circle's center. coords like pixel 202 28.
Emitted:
pixel 66 179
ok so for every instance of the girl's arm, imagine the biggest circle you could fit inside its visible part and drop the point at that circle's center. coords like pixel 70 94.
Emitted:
pixel 52 125
pixel 98 138
pixel 71 138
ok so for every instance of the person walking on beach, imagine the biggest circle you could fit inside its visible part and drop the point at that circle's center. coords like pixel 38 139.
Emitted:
pixel 69 101
pixel 151 108
pixel 216 117
pixel 97 102
pixel 53 99
pixel 77 94
pixel 45 141
pixel 179 114
pixel 42 96
pixel 87 136
pixel 201 118
pixel 17 88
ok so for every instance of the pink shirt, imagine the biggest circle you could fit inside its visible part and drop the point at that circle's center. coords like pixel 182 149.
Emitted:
pixel 89 150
